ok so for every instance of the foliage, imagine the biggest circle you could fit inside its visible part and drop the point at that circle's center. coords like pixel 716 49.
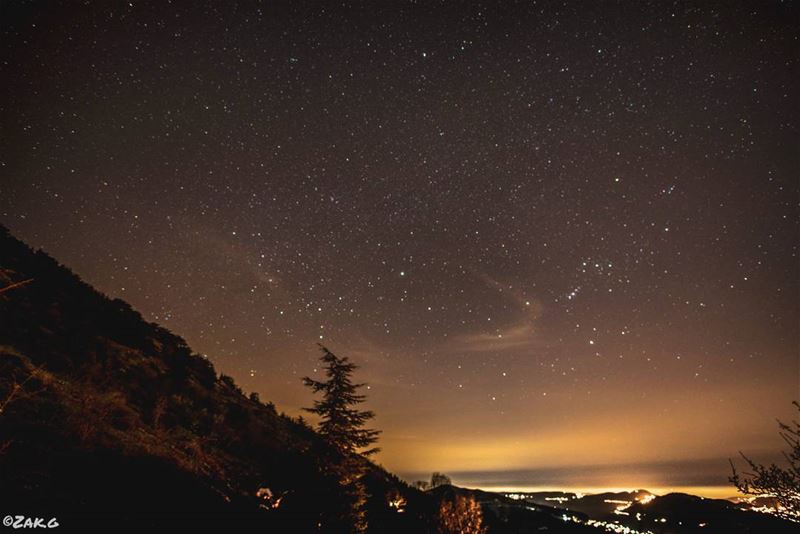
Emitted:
pixel 460 515
pixel 229 382
pixel 773 481
pixel 439 479
pixel 342 424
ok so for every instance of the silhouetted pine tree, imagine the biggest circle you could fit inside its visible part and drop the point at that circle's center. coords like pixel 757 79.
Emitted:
pixel 342 424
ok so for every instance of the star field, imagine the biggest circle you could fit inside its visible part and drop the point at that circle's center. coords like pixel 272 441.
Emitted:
pixel 523 220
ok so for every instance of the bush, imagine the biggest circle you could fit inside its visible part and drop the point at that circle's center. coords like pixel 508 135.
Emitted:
pixel 462 515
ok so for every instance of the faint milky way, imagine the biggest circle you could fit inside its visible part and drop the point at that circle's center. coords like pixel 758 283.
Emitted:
pixel 521 219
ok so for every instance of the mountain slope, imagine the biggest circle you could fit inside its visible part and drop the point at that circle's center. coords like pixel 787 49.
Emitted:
pixel 108 420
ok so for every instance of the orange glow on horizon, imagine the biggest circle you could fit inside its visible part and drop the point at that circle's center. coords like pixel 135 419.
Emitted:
pixel 709 492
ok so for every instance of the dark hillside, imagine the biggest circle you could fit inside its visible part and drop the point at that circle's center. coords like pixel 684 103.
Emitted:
pixel 679 512
pixel 105 415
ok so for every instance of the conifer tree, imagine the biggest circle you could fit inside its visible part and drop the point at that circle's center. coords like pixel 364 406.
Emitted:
pixel 342 425
pixel 340 422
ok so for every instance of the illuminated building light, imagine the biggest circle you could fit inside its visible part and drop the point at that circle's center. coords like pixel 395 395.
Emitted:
pixel 615 527
pixel 398 503
pixel 646 499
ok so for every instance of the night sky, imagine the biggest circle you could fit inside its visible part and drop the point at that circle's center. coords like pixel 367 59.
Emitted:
pixel 553 235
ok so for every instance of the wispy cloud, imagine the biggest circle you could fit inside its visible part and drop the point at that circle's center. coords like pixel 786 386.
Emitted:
pixel 517 336
pixel 522 332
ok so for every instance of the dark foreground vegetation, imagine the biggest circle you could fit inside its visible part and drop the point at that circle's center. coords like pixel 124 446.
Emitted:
pixel 109 422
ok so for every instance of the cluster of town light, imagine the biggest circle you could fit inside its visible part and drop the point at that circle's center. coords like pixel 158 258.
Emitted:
pixel 615 527
pixel 624 505
pixel 565 498
pixel 776 510
pixel 605 525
